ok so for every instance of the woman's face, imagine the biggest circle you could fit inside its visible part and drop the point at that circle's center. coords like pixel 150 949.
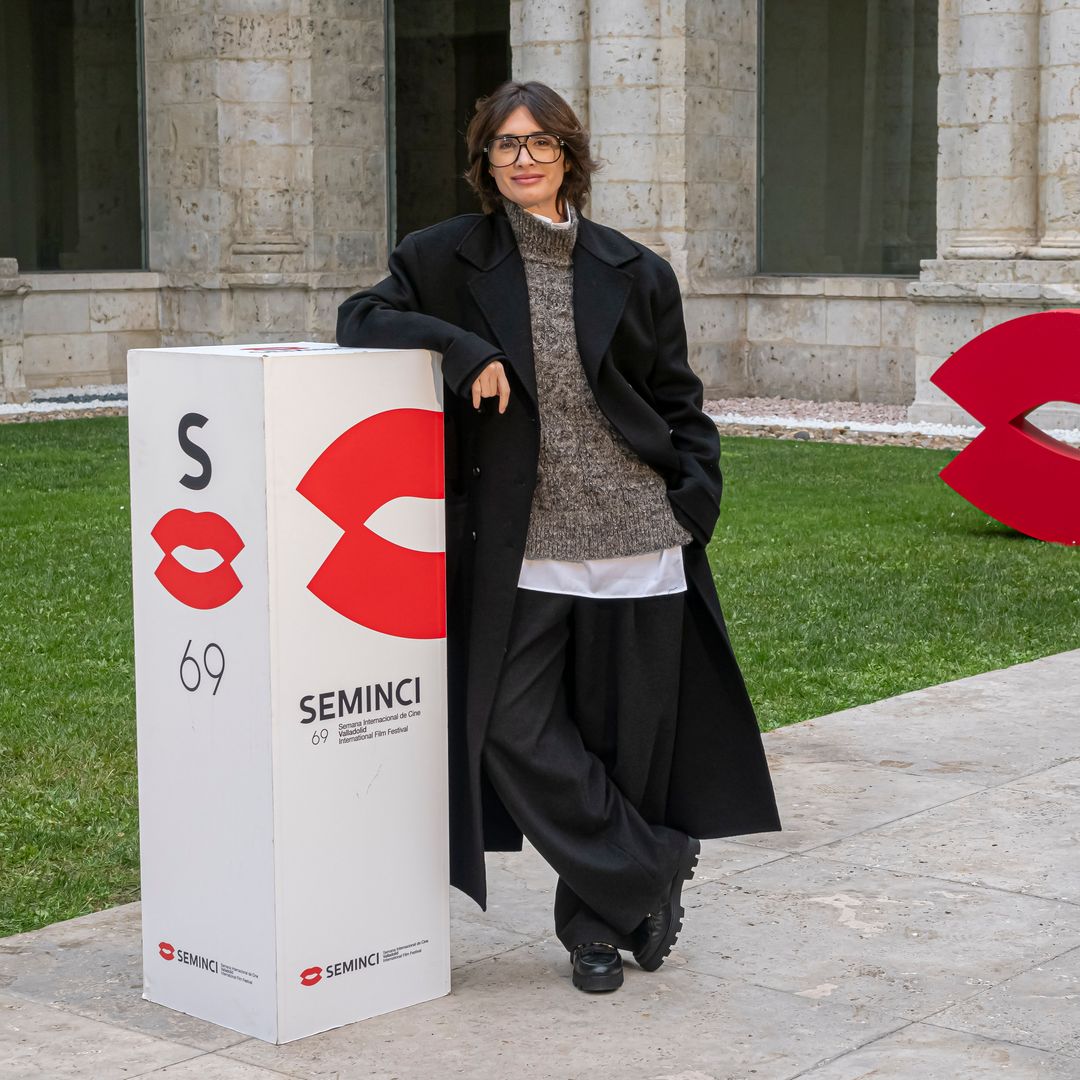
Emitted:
pixel 531 184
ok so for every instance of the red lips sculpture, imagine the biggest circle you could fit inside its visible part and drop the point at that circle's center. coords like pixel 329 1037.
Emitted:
pixel 371 581
pixel 1013 471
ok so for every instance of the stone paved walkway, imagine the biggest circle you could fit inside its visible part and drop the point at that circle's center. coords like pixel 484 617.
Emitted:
pixel 917 919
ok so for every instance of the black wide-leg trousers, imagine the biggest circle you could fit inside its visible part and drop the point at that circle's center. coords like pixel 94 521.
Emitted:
pixel 579 746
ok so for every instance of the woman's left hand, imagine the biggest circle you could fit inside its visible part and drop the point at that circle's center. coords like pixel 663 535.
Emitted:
pixel 492 382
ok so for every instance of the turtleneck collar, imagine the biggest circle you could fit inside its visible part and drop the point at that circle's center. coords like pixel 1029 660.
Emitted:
pixel 540 239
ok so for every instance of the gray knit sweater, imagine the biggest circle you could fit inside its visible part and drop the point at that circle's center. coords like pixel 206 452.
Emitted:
pixel 594 497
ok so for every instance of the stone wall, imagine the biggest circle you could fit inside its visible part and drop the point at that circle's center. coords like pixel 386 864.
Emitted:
pixel 78 327
pixel 12 291
pixel 267 164
pixel 1008 195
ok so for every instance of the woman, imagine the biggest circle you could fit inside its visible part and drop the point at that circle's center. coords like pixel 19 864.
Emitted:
pixel 595 703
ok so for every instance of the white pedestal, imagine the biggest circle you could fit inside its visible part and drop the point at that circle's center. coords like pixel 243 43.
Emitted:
pixel 290 662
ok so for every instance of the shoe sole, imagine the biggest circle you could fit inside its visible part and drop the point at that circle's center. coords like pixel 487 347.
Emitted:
pixel 686 868
pixel 598 983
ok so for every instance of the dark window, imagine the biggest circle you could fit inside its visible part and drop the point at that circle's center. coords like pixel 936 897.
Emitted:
pixel 447 53
pixel 848 136
pixel 70 194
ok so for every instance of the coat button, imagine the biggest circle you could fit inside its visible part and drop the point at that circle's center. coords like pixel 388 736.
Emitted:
pixel 476 470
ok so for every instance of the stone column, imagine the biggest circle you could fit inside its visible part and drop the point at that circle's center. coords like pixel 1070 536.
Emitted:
pixel 625 94
pixel 12 290
pixel 549 43
pixel 1059 115
pixel 266 163
pixel 988 116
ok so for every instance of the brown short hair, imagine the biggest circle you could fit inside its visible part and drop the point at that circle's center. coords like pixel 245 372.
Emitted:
pixel 553 114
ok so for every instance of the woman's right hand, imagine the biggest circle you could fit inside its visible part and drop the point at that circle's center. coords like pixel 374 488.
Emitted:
pixel 492 382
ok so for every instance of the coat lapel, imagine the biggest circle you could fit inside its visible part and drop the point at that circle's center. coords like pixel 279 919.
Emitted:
pixel 600 292
pixel 501 293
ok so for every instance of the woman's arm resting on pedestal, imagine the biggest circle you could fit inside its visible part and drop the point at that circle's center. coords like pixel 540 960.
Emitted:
pixel 390 315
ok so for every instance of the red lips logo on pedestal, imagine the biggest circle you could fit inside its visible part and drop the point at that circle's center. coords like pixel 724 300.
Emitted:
pixel 371 581
pixel 166 951
pixel 1013 471
pixel 185 528
pixel 310 976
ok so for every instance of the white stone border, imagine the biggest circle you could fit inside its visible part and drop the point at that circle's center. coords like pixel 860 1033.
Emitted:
pixel 810 424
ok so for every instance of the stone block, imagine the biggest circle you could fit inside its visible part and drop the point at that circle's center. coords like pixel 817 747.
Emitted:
pixel 563 65
pixel 673 18
pixel 1058 93
pixel 786 319
pixel 712 205
pixel 182 126
pixel 996 40
pixel 178 37
pixel 715 318
pixel 267 167
pixel 620 18
pixel 11 319
pixel 626 206
pixel 123 311
pixel 180 82
pixel 718 111
pixel 811 373
pixel 713 159
pixel 624 61
pixel 56 313
pixel 269 36
pixel 714 256
pixel 991 149
pixel 553 20
pixel 898 324
pixel 736 67
pixel 204 311
pixel 254 80
pixel 724 20
pixel 671 161
pixel 940 329
pixel 346 125
pixel 275 312
pixel 624 110
pixel 672 111
pixel 853 322
pixel 673 207
pixel 998 96
pixel 12 381
pixel 182 167
pixel 886 376
pixel 631 158
pixel 721 367
pixel 1061 34
pixel 65 359
pixel 979 7
pixel 701 58
pixel 995 314
pixel 265 123
pixel 120 343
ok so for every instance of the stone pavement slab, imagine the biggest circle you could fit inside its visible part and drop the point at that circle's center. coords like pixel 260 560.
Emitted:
pixel 917 918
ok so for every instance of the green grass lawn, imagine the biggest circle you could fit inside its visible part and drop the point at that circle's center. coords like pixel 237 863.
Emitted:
pixel 847 574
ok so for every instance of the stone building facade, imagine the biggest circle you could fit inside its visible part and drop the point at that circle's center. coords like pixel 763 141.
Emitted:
pixel 268 157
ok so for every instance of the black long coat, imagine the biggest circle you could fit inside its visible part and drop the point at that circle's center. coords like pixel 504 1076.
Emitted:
pixel 459 288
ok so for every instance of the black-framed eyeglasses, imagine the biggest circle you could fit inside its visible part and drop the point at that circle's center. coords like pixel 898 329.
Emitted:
pixel 543 148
